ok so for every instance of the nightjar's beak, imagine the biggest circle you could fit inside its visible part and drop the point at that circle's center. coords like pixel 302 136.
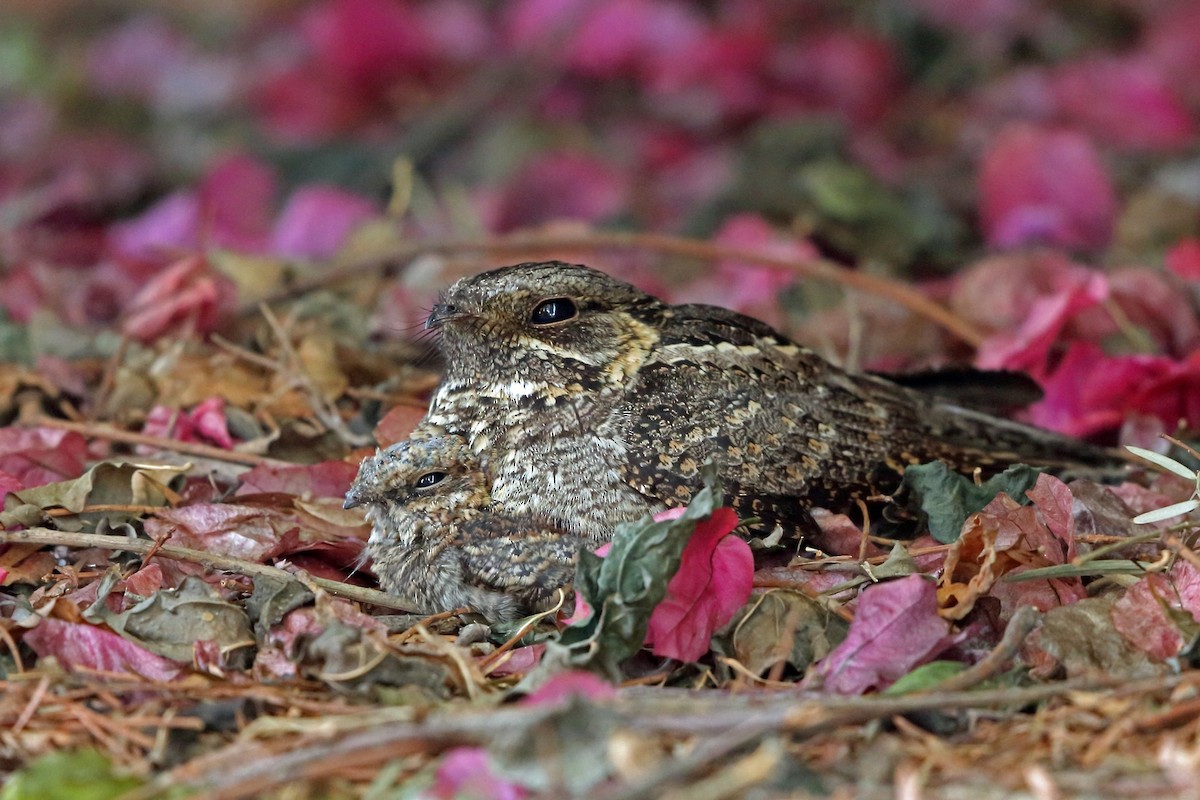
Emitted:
pixel 440 313
pixel 353 499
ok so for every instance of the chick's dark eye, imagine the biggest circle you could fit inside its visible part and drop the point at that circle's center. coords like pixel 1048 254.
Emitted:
pixel 556 309
pixel 430 479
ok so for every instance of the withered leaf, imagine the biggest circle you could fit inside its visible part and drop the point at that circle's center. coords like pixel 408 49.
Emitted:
pixel 782 625
pixel 563 750
pixel 272 598
pixel 107 483
pixel 1082 639
pixel 171 621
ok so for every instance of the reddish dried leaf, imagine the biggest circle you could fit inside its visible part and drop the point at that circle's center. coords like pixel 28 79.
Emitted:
pixel 1006 537
pixel 81 646
pixel 519 660
pixel 146 581
pixel 333 561
pixel 895 629
pixel 255 534
pixel 397 424
pixel 203 423
pixel 1054 501
pixel 810 583
pixel 841 537
pixel 36 456
pixel 1152 301
pixel 1139 615
pixel 326 479
pixel 187 293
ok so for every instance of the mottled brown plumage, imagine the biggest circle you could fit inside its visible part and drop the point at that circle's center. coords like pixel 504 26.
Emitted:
pixel 592 402
pixel 438 541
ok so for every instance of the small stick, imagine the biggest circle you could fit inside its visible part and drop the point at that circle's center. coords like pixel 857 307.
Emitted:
pixel 31 707
pixel 106 508
pixel 488 662
pixel 45 536
pixel 99 431
pixel 1022 623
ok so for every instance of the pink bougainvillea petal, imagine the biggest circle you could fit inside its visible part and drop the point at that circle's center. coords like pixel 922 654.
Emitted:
pixel 169 226
pixel 743 286
pixel 1090 392
pixel 203 423
pixel 466 772
pixel 316 221
pixel 1123 101
pixel 896 628
pixel 518 661
pixel 714 580
pixel 1184 259
pixel 208 419
pixel 1027 349
pixel 572 683
pixel 237 203
pixel 1040 186
pixel 558 185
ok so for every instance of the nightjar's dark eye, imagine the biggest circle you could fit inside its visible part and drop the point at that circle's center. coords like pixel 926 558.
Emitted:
pixel 430 479
pixel 557 309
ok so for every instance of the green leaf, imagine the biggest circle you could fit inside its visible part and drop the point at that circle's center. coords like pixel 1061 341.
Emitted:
pixel 1166 462
pixel 926 676
pixel 14 342
pixel 1086 569
pixel 78 774
pixel 624 587
pixel 1166 512
pixel 947 498
pixel 899 564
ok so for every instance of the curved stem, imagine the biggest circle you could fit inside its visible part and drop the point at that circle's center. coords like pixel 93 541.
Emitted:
pixel 554 243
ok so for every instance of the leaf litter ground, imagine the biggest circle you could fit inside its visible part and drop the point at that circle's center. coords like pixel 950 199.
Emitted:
pixel 177 604
pixel 201 335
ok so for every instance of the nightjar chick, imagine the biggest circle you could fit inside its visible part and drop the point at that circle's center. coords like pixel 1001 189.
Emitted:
pixel 592 402
pixel 439 542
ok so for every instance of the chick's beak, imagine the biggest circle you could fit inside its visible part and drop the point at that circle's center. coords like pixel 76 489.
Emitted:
pixel 353 500
pixel 440 314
